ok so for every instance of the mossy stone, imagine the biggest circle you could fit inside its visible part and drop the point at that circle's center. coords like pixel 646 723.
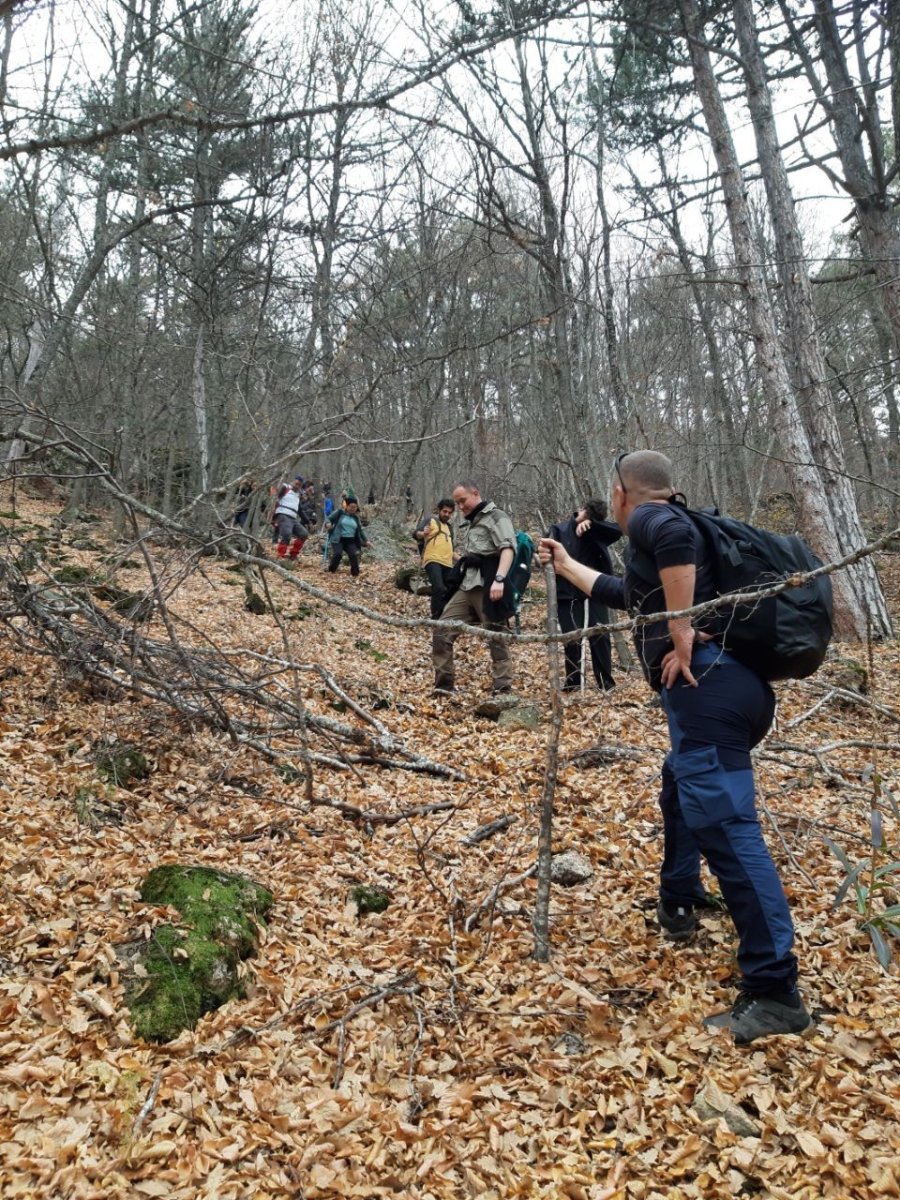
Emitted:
pixel 369 899
pixel 121 767
pixel 217 904
pixel 523 716
pixel 72 574
pixel 849 674
pixel 406 577
pixel 184 973
pixel 253 602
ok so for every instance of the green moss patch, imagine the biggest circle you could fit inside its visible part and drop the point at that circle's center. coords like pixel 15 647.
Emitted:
pixel 253 602
pixel 370 899
pixel 122 767
pixel 72 574
pixel 181 973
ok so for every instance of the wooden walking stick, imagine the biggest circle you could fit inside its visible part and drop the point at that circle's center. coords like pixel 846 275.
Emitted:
pixel 545 836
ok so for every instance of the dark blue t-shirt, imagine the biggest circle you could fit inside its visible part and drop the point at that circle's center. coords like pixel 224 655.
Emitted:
pixel 661 535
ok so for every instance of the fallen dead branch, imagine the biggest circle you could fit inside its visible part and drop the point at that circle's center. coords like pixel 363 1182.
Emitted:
pixel 404 985
pixel 490 900
pixel 367 817
pixel 595 756
pixel 483 832
pixel 235 693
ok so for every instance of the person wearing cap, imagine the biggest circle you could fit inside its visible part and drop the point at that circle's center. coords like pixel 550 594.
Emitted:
pixel 292 533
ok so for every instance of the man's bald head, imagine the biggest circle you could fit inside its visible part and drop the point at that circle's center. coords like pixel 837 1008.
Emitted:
pixel 646 472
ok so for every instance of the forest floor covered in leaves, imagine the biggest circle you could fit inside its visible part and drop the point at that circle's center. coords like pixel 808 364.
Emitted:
pixel 397 1053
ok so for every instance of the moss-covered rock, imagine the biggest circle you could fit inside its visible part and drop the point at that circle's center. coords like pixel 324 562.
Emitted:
pixel 412 579
pixel 94 811
pixel 72 574
pixel 179 974
pixel 288 773
pixel 217 904
pixel 523 716
pixel 370 899
pixel 253 602
pixel 849 674
pixel 122 766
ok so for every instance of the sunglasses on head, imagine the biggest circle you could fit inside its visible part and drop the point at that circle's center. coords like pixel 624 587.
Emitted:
pixel 619 458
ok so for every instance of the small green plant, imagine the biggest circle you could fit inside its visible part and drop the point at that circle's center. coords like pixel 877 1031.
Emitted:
pixel 288 773
pixel 872 881
pixel 121 767
pixel 875 879
pixel 378 655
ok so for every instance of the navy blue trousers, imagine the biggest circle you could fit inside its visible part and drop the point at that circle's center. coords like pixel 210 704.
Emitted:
pixel 709 809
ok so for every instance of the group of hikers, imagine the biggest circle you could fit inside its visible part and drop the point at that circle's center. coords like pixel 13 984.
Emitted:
pixel 294 517
pixel 718 707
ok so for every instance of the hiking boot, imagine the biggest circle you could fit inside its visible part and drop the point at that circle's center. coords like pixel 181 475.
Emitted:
pixel 443 687
pixel 679 924
pixel 502 689
pixel 754 1017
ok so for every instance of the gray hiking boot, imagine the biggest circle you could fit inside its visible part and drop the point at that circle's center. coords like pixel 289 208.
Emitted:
pixel 754 1017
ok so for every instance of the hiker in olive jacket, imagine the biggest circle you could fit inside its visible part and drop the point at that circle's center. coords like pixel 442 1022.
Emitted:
pixel 488 549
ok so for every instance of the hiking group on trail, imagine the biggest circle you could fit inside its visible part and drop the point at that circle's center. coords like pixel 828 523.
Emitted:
pixel 712 673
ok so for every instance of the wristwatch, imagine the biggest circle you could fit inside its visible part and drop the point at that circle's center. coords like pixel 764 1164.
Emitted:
pixel 499 578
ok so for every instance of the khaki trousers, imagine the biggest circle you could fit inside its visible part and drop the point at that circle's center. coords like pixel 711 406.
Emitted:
pixel 468 606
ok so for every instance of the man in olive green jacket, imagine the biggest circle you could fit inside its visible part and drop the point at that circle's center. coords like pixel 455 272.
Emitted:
pixel 489 541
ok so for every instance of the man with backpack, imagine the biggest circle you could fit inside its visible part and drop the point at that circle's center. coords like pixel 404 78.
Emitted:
pixel 587 537
pixel 488 549
pixel 718 709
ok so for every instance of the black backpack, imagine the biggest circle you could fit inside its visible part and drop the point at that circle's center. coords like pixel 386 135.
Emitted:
pixel 779 637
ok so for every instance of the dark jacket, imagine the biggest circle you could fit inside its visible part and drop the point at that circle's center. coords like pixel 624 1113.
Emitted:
pixel 592 549
pixel 661 535
pixel 307 513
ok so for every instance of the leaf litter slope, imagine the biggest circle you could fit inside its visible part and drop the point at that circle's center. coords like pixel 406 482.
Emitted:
pixel 398 1054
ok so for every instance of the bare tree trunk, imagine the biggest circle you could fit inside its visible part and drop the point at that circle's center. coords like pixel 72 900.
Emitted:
pixel 541 951
pixel 817 405
pixel 198 390
pixel 856 126
pixel 815 517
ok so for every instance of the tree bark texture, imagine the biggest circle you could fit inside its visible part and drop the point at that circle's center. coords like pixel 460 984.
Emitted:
pixel 816 404
pixel 815 516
